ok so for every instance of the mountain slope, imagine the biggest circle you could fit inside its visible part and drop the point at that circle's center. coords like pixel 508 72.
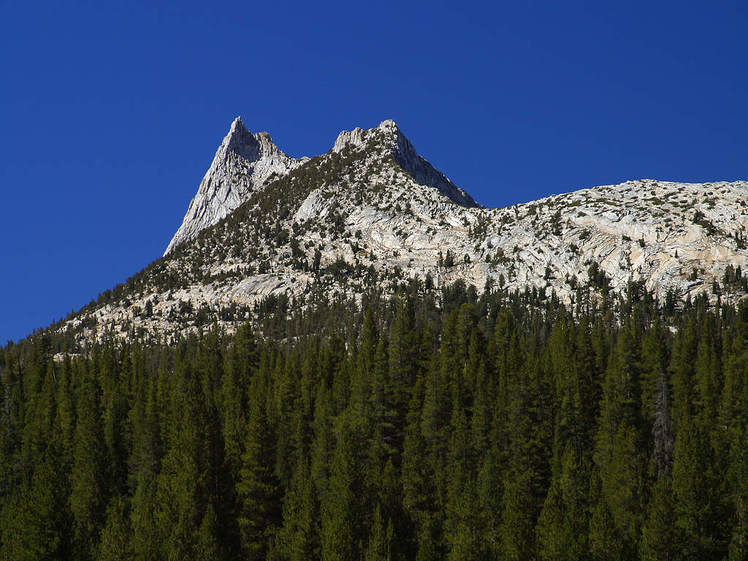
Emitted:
pixel 371 212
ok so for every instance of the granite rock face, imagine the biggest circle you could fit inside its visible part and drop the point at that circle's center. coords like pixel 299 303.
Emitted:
pixel 243 164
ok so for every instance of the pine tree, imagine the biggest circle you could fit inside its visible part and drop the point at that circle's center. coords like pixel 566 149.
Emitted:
pixel 146 535
pixel 39 417
pixel 403 355
pixel 659 540
pixel 144 465
pixel 299 537
pixel 682 363
pixel 115 432
pixel 521 502
pixel 708 371
pixel 364 372
pixel 653 366
pixel 36 522
pixel 242 363
pixel 517 520
pixel 697 516
pixel 490 493
pixel 341 532
pixel 737 475
pixel 10 424
pixel 606 541
pixel 617 453
pixel 662 435
pixel 88 477
pixel 465 521
pixel 379 547
pixel 116 536
pixel 562 524
pixel 298 446
pixel 386 437
pixel 181 486
pixel 418 482
pixel 65 417
pixel 258 491
pixel 207 548
pixel 733 409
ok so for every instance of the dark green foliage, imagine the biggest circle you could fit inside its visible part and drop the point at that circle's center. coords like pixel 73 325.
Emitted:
pixel 88 476
pixel 342 515
pixel 116 536
pixel 433 427
pixel 36 521
pixel 257 487
pixel 659 536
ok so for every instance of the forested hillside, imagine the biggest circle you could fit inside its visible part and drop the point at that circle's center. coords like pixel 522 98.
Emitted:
pixel 429 426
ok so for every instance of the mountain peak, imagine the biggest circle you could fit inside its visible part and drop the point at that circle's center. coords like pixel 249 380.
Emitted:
pixel 237 123
pixel 358 137
pixel 242 142
pixel 389 125
pixel 243 163
pixel 388 138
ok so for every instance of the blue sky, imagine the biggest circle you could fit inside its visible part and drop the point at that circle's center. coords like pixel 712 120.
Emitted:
pixel 111 114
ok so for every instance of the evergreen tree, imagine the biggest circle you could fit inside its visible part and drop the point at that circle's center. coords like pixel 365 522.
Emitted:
pixel 208 548
pixel 435 426
pixel 617 454
pixel 341 531
pixel 562 525
pixel 181 487
pixel 242 362
pixel 697 514
pixel 36 523
pixel 88 477
pixel 659 540
pixel 737 475
pixel 258 491
pixel 146 535
pixel 380 539
pixel 65 417
pixel 298 538
pixel 116 536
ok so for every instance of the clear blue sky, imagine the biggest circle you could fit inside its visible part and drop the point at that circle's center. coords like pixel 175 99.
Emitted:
pixel 110 115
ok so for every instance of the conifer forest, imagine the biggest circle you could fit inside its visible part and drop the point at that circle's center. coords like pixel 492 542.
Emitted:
pixel 430 425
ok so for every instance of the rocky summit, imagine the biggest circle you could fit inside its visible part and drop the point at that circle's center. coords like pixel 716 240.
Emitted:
pixel 243 164
pixel 372 212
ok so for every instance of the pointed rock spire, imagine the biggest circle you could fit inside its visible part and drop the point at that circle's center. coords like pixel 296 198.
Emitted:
pixel 243 163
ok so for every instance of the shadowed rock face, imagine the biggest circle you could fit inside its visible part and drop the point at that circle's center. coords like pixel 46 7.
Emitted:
pixel 242 165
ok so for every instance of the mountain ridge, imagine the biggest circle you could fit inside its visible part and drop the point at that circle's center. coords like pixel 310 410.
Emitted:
pixel 357 217
pixel 244 162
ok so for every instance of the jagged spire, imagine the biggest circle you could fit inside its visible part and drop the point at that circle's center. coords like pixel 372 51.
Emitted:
pixel 242 164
